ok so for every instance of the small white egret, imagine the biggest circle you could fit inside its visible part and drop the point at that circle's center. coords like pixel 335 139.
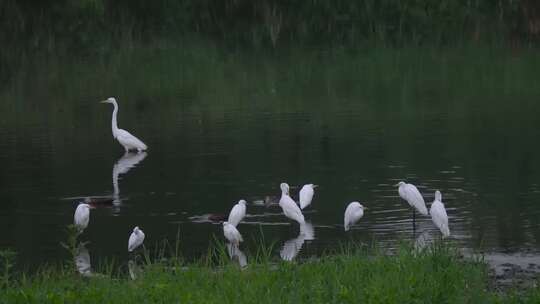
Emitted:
pixel 82 216
pixel 135 239
pixel 237 213
pixel 410 193
pixel 126 139
pixel 353 213
pixel 438 214
pixel 232 234
pixel 306 195
pixel 290 208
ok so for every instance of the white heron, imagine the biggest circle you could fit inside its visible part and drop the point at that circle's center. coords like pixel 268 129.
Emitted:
pixel 353 213
pixel 82 216
pixel 438 214
pixel 410 193
pixel 232 234
pixel 135 239
pixel 237 213
pixel 306 195
pixel 290 208
pixel 126 139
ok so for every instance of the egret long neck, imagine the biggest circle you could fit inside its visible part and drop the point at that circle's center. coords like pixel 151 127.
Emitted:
pixel 114 123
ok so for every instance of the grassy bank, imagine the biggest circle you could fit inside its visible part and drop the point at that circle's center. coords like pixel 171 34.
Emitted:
pixel 437 275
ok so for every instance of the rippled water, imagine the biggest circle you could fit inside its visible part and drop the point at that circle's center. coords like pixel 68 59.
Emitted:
pixel 237 128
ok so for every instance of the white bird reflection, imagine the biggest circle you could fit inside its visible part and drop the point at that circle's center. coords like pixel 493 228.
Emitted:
pixel 237 255
pixel 122 166
pixel 82 260
pixel 292 247
pixel 424 240
pixel 134 270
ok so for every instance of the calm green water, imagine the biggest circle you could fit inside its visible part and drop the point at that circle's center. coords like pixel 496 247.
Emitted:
pixel 225 125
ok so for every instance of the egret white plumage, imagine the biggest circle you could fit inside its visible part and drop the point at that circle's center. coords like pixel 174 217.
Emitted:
pixel 438 214
pixel 353 213
pixel 290 208
pixel 410 193
pixel 232 234
pixel 306 195
pixel 82 216
pixel 126 139
pixel 237 213
pixel 135 239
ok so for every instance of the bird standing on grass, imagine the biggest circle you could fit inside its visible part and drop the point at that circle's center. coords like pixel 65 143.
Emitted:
pixel 290 208
pixel 135 239
pixel 438 214
pixel 232 234
pixel 353 213
pixel 306 195
pixel 82 216
pixel 128 141
pixel 237 213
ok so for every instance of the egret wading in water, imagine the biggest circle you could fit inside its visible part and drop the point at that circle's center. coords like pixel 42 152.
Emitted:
pixel 237 213
pixel 135 239
pixel 290 208
pixel 438 214
pixel 306 195
pixel 128 141
pixel 232 234
pixel 81 217
pixel 353 213
pixel 410 193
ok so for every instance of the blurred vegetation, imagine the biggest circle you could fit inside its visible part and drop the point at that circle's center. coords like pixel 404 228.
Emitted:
pixel 95 27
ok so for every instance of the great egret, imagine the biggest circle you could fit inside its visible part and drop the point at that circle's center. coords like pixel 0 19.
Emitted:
pixel 237 213
pixel 122 166
pixel 232 234
pixel 128 141
pixel 306 195
pixel 438 214
pixel 135 239
pixel 290 208
pixel 353 213
pixel 410 193
pixel 82 216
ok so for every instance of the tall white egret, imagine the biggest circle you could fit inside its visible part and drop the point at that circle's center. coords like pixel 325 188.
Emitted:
pixel 438 214
pixel 410 193
pixel 82 216
pixel 237 213
pixel 353 213
pixel 135 239
pixel 232 234
pixel 306 195
pixel 290 208
pixel 126 139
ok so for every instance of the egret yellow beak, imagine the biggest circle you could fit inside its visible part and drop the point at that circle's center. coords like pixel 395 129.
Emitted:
pixel 315 186
pixel 103 101
pixel 366 208
pixel 396 185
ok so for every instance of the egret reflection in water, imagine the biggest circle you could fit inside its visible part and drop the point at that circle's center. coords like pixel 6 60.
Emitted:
pixel 122 166
pixel 82 260
pixel 292 247
pixel 237 255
